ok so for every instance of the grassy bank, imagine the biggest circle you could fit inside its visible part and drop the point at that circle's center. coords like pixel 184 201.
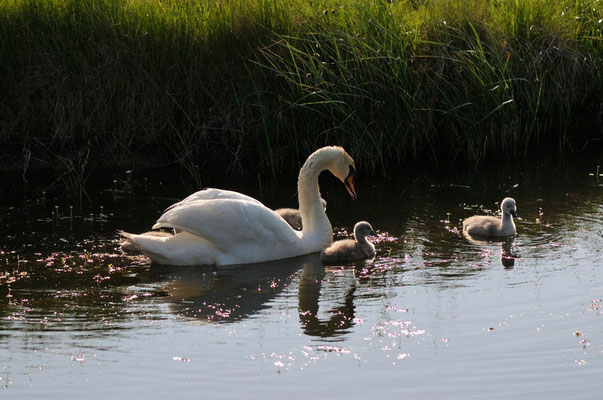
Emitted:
pixel 256 85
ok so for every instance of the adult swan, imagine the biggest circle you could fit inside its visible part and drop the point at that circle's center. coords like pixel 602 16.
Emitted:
pixel 226 231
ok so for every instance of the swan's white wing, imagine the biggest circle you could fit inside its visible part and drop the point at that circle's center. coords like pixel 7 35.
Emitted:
pixel 231 225
pixel 213 194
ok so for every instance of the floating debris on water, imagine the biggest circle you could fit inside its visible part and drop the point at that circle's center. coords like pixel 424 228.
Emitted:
pixel 79 358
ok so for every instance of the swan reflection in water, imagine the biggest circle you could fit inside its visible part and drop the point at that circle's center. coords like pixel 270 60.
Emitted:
pixel 223 295
pixel 507 256
pixel 340 318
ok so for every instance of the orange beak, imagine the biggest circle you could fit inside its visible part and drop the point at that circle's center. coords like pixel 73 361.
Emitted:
pixel 349 185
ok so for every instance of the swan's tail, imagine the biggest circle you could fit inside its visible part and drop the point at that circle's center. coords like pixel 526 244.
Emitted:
pixel 128 244
pixel 136 243
pixel 146 243
pixel 164 248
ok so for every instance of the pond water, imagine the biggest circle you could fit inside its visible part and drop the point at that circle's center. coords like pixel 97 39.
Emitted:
pixel 433 315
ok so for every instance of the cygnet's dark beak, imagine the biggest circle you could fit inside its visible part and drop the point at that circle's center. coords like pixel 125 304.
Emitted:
pixel 349 182
pixel 513 213
pixel 373 233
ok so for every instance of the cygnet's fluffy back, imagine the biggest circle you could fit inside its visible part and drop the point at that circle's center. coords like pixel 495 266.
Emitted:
pixel 293 216
pixel 489 226
pixel 348 250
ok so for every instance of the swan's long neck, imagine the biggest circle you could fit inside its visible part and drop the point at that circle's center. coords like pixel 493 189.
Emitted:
pixel 317 230
pixel 506 221
pixel 363 240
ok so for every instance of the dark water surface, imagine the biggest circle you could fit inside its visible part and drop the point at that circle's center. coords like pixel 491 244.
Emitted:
pixel 434 315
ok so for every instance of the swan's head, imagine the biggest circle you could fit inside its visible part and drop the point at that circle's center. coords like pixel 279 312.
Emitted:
pixel 363 229
pixel 343 167
pixel 507 206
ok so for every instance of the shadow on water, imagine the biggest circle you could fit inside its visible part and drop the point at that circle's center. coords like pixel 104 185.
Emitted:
pixel 228 294
pixel 507 253
pixel 224 295
pixel 96 296
pixel 339 318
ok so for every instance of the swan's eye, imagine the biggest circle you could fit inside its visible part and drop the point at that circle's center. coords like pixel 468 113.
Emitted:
pixel 352 171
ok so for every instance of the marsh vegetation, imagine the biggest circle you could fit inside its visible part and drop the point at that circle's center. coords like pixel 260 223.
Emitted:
pixel 248 86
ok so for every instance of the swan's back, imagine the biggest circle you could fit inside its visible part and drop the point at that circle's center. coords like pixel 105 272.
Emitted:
pixel 214 221
pixel 213 194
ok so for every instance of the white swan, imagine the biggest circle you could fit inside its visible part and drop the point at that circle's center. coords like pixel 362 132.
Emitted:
pixel 293 216
pixel 227 231
pixel 488 226
pixel 349 250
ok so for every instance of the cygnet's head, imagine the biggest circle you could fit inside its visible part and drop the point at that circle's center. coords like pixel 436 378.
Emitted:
pixel 507 206
pixel 342 166
pixel 363 229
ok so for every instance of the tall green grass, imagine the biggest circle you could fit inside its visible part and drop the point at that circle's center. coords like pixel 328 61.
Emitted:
pixel 256 85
